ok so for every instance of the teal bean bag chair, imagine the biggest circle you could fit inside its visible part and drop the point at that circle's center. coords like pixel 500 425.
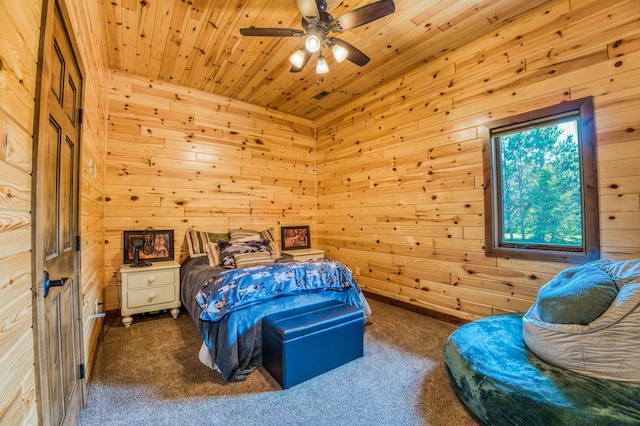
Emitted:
pixel 504 382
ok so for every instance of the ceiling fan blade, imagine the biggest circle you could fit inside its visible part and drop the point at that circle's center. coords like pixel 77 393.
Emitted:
pixel 271 32
pixel 355 55
pixel 309 10
pixel 307 56
pixel 363 15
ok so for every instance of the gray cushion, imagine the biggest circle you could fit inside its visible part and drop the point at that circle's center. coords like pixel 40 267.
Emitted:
pixel 606 348
pixel 576 296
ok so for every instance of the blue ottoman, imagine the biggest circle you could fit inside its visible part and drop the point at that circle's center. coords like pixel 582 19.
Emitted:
pixel 304 342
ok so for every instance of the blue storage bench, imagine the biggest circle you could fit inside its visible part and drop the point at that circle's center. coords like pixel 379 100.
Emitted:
pixel 304 342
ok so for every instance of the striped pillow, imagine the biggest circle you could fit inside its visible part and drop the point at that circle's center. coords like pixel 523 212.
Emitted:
pixel 197 241
pixel 245 260
pixel 244 235
pixel 251 235
pixel 269 234
pixel 213 250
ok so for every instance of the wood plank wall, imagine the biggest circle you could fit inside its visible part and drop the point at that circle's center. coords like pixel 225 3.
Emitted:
pixel 400 170
pixel 19 36
pixel 19 39
pixel 179 158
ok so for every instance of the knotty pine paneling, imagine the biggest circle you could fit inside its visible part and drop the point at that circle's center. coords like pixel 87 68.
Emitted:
pixel 400 193
pixel 18 64
pixel 197 44
pixel 178 158
pixel 19 43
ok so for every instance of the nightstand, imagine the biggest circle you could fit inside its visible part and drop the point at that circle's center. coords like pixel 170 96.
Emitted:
pixel 303 254
pixel 150 288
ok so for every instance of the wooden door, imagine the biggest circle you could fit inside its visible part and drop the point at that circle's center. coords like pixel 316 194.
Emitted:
pixel 57 263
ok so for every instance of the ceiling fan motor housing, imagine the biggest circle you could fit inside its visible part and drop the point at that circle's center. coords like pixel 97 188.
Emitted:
pixel 323 22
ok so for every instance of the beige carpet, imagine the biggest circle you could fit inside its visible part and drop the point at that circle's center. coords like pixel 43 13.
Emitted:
pixel 150 374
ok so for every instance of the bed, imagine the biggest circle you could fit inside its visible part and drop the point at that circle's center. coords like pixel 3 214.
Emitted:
pixel 227 304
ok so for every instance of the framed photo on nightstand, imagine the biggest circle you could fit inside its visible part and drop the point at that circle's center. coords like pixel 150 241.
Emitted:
pixel 160 245
pixel 295 237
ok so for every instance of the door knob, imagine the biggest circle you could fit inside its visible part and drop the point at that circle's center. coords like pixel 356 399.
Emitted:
pixel 48 283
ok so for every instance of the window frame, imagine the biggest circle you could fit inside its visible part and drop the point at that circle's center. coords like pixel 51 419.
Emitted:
pixel 590 249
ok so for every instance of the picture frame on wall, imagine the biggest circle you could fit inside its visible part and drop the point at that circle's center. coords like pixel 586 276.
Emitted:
pixel 162 249
pixel 295 237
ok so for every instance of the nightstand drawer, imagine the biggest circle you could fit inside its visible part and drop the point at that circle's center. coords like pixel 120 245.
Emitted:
pixel 151 278
pixel 150 296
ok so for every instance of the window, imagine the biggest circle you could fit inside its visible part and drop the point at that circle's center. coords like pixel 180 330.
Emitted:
pixel 541 200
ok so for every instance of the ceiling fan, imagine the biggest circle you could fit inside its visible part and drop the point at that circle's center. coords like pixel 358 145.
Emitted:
pixel 317 24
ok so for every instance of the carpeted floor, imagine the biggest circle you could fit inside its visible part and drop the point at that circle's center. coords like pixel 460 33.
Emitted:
pixel 150 374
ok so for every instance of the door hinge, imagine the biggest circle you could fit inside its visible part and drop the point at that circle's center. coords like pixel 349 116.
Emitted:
pixel 82 371
pixel 77 242
pixel 80 113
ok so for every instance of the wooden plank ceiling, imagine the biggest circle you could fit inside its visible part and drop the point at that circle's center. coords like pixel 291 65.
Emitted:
pixel 197 43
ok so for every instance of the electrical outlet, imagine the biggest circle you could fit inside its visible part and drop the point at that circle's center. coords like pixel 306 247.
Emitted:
pixel 357 271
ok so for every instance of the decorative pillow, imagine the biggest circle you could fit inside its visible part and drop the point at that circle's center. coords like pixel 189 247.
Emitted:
pixel 576 296
pixel 244 234
pixel 229 248
pixel 213 250
pixel 269 234
pixel 197 241
pixel 251 235
pixel 245 260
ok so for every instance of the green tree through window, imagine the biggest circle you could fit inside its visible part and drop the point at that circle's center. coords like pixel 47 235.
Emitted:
pixel 540 185
pixel 540 177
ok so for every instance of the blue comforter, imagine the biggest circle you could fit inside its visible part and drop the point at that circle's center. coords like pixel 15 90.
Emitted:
pixel 238 288
pixel 234 340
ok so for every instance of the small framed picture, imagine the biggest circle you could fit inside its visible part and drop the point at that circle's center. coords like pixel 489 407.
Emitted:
pixel 295 237
pixel 152 245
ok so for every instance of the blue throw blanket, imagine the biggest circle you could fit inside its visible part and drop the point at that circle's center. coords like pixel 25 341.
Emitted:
pixel 234 341
pixel 238 288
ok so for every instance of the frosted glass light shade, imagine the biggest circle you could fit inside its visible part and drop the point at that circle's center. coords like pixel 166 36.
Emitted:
pixel 313 43
pixel 321 66
pixel 339 52
pixel 297 59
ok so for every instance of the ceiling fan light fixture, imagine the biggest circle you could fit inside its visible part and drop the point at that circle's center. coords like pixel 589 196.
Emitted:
pixel 297 59
pixel 339 52
pixel 317 24
pixel 313 43
pixel 321 66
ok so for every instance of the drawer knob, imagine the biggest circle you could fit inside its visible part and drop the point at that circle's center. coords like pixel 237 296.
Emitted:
pixel 152 296
pixel 151 279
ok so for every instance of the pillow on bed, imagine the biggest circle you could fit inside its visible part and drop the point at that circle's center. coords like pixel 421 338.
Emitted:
pixel 213 251
pixel 197 241
pixel 245 260
pixel 250 235
pixel 229 248
pixel 576 296
pixel 240 234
